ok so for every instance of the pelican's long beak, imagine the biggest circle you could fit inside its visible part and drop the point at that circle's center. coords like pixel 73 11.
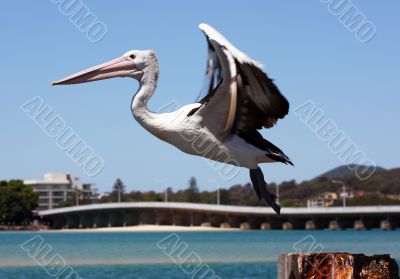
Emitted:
pixel 120 67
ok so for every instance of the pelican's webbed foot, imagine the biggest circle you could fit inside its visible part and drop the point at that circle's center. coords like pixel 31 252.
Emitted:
pixel 260 186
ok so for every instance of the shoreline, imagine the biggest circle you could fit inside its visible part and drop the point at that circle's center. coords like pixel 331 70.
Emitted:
pixel 147 228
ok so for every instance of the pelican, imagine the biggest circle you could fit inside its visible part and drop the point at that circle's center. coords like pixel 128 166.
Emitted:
pixel 240 99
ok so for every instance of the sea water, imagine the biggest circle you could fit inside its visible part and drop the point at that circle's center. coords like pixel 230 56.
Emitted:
pixel 226 254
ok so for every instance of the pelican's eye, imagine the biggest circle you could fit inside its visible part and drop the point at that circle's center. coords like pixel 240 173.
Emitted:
pixel 132 56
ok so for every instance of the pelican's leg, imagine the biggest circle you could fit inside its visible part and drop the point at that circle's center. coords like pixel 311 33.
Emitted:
pixel 260 186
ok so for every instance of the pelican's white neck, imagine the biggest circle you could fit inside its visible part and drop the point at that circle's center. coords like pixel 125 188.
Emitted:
pixel 143 95
pixel 148 84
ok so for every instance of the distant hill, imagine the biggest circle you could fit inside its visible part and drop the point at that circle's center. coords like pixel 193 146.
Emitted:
pixel 381 188
pixel 343 171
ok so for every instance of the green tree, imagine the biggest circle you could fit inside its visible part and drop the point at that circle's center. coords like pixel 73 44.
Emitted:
pixel 192 192
pixel 16 201
pixel 368 199
pixel 289 203
pixel 134 196
pixel 151 196
pixel 118 190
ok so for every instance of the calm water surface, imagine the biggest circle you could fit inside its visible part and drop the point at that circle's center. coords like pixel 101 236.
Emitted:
pixel 248 254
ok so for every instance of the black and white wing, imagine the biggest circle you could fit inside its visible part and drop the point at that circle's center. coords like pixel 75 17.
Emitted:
pixel 218 107
pixel 241 97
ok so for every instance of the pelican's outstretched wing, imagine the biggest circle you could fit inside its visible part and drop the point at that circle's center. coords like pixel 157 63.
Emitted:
pixel 218 107
pixel 241 96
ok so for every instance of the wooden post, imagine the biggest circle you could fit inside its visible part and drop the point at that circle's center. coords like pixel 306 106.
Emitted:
pixel 336 266
pixel 265 226
pixel 245 226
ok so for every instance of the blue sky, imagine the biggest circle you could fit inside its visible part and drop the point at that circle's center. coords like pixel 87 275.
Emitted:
pixel 305 48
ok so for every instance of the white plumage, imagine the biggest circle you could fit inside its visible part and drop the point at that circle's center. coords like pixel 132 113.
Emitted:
pixel 223 125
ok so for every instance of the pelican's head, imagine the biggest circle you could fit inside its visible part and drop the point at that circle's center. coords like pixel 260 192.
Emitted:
pixel 133 63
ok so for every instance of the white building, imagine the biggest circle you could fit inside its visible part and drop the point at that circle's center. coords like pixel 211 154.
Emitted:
pixel 55 188
pixel 323 200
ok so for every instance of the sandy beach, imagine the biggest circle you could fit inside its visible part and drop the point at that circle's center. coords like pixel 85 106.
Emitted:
pixel 149 228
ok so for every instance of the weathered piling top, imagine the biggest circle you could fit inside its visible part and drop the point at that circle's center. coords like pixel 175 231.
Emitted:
pixel 336 266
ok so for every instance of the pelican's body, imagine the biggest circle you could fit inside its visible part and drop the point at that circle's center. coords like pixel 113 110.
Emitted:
pixel 223 125
pixel 189 136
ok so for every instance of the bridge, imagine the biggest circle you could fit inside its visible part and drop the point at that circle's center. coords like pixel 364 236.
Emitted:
pixel 224 216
